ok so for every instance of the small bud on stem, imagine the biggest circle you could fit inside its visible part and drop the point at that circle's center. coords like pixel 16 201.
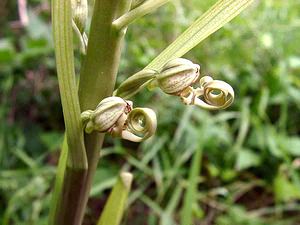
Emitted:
pixel 80 13
pixel 79 19
pixel 177 75
pixel 116 116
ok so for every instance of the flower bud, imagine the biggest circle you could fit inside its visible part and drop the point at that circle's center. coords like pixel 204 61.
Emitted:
pixel 177 75
pixel 116 116
pixel 107 115
pixel 80 13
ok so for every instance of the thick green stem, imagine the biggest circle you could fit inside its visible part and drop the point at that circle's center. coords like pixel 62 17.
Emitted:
pixel 98 75
pixel 74 181
pixel 71 189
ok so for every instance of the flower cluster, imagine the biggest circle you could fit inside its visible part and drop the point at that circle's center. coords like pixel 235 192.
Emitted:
pixel 177 77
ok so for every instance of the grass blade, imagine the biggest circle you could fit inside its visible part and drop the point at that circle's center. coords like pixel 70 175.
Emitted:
pixel 191 192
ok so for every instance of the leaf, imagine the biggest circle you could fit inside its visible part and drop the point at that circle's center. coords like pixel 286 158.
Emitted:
pixel 114 208
pixel 191 192
pixel 246 159
pixel 215 18
pixel 272 138
pixel 284 189
pixel 63 43
pixel 58 186
pixel 290 144
pixel 167 215
pixel 52 140
pixel 7 51
pixel 105 178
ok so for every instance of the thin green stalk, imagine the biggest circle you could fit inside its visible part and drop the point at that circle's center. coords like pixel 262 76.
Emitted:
pixel 138 12
pixel 115 205
pixel 191 191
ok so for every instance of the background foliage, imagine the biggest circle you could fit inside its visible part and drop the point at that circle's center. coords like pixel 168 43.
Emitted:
pixel 239 166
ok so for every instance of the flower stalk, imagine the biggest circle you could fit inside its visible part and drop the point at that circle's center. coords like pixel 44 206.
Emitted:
pixel 98 74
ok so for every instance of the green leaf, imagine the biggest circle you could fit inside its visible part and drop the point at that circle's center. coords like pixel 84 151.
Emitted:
pixel 52 140
pixel 246 159
pixel 63 42
pixel 114 208
pixel 7 51
pixel 291 145
pixel 167 215
pixel 191 192
pixel 60 173
pixel 211 21
pixel 138 12
pixel 284 189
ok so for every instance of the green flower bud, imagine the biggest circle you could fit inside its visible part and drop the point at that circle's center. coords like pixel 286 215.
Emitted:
pixel 177 75
pixel 116 116
pixel 107 115
pixel 80 13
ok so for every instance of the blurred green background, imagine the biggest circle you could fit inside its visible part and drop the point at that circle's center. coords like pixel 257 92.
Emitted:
pixel 239 166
